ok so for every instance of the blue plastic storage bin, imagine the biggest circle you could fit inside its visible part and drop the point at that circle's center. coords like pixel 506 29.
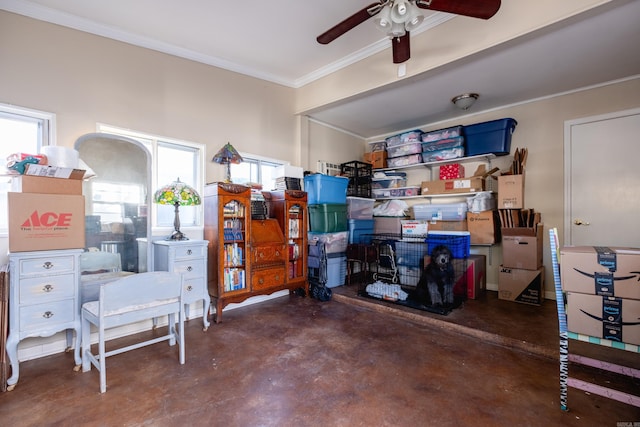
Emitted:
pixel 325 189
pixel 336 270
pixel 492 137
pixel 360 230
pixel 458 242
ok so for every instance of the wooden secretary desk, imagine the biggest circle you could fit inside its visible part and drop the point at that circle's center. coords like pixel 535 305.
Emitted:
pixel 248 257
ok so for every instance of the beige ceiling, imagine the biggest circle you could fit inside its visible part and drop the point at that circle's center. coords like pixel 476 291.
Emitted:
pixel 275 41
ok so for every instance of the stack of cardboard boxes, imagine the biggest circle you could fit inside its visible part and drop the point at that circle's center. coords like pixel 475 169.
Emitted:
pixel 377 155
pixel 521 275
pixel 46 209
pixel 603 294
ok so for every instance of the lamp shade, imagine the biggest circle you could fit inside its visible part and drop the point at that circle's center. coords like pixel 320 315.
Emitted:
pixel 177 192
pixel 227 154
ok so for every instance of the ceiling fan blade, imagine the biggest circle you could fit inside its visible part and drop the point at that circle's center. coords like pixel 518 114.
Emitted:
pixel 349 23
pixel 401 48
pixel 483 9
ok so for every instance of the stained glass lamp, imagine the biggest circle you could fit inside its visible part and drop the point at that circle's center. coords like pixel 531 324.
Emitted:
pixel 226 156
pixel 177 194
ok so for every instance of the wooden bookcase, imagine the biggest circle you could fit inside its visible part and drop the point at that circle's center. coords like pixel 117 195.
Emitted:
pixel 227 220
pixel 246 257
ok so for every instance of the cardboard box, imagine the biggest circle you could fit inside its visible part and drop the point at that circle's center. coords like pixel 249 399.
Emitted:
pixel 475 183
pixel 40 222
pixel 452 186
pixel 522 247
pixel 452 171
pixel 54 171
pixel 447 225
pixel 524 286
pixel 414 229
pixel 44 185
pixel 483 227
pixel 378 159
pixel 614 319
pixel 587 269
pixel 511 192
pixel 388 225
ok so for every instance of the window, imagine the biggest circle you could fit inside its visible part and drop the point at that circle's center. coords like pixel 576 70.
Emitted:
pixel 171 160
pixel 256 169
pixel 21 131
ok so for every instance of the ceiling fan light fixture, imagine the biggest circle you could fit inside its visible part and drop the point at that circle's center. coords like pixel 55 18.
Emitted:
pixel 399 11
pixel 383 19
pixel 413 18
pixel 465 101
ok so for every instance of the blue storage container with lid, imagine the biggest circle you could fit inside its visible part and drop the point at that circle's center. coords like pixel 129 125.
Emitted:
pixel 493 137
pixel 360 230
pixel 326 189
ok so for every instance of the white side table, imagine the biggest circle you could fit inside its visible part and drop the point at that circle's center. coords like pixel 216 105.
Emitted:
pixel 43 300
pixel 189 257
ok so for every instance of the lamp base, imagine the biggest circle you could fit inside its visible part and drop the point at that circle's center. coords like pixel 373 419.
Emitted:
pixel 177 235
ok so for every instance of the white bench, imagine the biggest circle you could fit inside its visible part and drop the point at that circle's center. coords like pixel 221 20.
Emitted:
pixel 128 300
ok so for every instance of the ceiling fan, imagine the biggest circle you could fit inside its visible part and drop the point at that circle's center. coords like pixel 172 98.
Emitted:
pixel 398 17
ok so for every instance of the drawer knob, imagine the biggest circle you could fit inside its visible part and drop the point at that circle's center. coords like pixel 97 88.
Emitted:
pixel 189 252
pixel 189 268
pixel 47 288
pixel 189 288
pixel 277 277
pixel 47 265
pixel 47 314
pixel 277 253
pixel 261 280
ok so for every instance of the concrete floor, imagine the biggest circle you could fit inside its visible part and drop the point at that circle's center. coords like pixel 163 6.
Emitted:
pixel 294 361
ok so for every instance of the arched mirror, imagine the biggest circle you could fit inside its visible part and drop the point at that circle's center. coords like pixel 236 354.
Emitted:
pixel 117 200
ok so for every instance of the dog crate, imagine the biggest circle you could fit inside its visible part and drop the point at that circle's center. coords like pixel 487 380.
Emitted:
pixel 398 261
pixel 458 242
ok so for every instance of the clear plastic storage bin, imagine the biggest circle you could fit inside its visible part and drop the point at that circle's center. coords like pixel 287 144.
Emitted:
pixel 441 212
pixel 359 208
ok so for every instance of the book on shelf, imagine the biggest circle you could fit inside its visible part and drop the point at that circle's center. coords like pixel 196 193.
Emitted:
pixel 234 279
pixel 233 209
pixel 233 255
pixel 232 229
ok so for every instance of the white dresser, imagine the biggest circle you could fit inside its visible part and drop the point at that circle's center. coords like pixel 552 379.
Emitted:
pixel 188 257
pixel 43 300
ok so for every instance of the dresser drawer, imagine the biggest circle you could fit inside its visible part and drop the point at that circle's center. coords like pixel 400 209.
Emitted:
pixel 265 254
pixel 39 317
pixel 195 251
pixel 191 268
pixel 194 289
pixel 47 265
pixel 35 290
pixel 267 278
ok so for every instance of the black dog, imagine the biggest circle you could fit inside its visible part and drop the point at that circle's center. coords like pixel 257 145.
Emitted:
pixel 436 283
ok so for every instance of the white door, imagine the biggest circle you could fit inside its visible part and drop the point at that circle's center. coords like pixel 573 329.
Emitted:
pixel 602 180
